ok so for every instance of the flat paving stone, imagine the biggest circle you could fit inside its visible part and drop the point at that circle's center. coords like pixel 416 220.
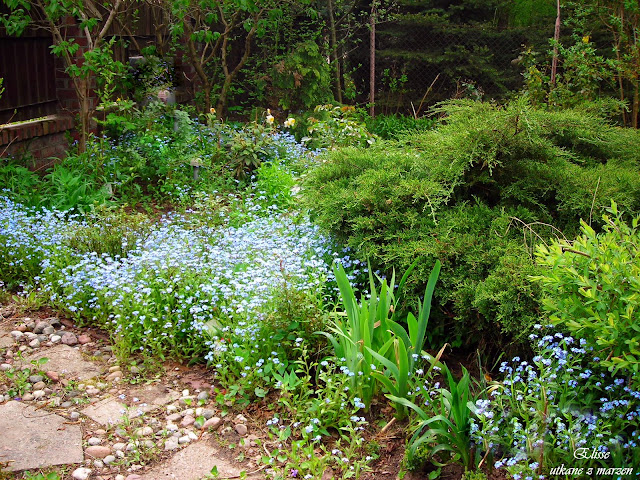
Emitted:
pixel 156 395
pixel 33 438
pixel 193 463
pixel 106 412
pixel 67 361
pixel 5 338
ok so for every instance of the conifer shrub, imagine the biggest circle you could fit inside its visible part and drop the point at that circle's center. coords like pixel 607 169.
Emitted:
pixel 477 193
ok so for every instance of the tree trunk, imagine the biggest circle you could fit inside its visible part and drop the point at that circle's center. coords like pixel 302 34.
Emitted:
pixel 333 46
pixel 556 38
pixel 372 60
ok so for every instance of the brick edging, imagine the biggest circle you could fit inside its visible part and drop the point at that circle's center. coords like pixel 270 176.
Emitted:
pixel 35 128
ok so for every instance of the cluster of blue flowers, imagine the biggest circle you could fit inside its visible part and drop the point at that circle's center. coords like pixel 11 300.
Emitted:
pixel 560 402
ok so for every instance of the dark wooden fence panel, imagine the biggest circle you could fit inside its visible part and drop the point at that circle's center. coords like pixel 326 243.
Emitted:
pixel 28 69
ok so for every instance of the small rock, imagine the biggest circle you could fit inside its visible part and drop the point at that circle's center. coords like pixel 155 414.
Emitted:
pixel 17 334
pixel 213 423
pixel 69 339
pixel 185 393
pixel 35 378
pixel 48 330
pixel 174 417
pixel 97 451
pixel 40 326
pixel 53 321
pixel 98 463
pixel 21 328
pixel 53 376
pixel 27 397
pixel 192 435
pixel 115 368
pixel 100 431
pixel 92 391
pixel 55 338
pixel 121 432
pixel 120 477
pixel 81 473
pixel 109 459
pixel 187 421
pixel 93 441
pixel 38 394
pixel 55 402
pixel 34 343
pixel 134 369
pixel 119 454
pixel 133 477
pixel 170 408
pixel 119 446
pixel 115 376
pixel 241 418
pixel 5 366
pixel 203 396
pixel 241 429
pixel 186 400
pixel 74 415
pixel 144 431
pixel 172 427
pixel 84 339
pixel 39 385
pixel 22 348
pixel 184 439
pixel 66 404
pixel 207 413
pixel 171 444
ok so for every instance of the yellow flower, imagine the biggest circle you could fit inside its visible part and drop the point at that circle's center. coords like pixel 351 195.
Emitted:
pixel 270 119
pixel 585 39
pixel 290 122
pixel 212 110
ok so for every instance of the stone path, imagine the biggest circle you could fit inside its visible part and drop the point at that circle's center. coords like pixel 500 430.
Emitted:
pixel 74 412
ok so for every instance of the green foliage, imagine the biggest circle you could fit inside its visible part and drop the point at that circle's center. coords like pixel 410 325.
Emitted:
pixel 464 193
pixel 301 79
pixel 21 182
pixel 275 184
pixel 335 126
pixel 448 431
pixel 370 337
pixel 390 127
pixel 592 289
pixel 248 148
pixel 68 189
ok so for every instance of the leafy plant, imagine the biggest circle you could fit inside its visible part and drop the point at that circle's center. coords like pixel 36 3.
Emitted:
pixel 447 432
pixel 68 189
pixel 336 126
pixel 592 289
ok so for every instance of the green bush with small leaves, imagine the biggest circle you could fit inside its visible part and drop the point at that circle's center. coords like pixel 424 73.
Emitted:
pixel 477 193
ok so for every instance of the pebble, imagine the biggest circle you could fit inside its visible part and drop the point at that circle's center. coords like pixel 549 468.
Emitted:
pixel 97 451
pixel 84 339
pixel 81 473
pixel 109 459
pixel 174 417
pixel 186 401
pixel 119 454
pixel 241 418
pixel 115 368
pixel 120 477
pixel 172 427
pixel 241 429
pixel 55 338
pixel 185 393
pixel 5 366
pixel 133 477
pixel 2 398
pixel 184 439
pixel 39 385
pixel 74 415
pixel 144 431
pixel 40 326
pixel 112 377
pixel 98 463
pixel 213 423
pixel 38 394
pixel 34 343
pixel 134 369
pixel 187 421
pixel 207 413
pixel 69 339
pixel 92 391
pixel 171 444
pixel 170 408
pixel 48 330
pixel 94 441
pixel 27 397
pixel 203 396
pixel 119 446
pixel 17 334
pixel 66 404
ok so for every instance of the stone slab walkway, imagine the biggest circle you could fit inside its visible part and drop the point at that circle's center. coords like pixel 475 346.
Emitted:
pixel 33 438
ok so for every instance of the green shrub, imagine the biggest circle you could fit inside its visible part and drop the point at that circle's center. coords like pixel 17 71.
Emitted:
pixel 592 289
pixel 393 126
pixel 22 184
pixel 465 192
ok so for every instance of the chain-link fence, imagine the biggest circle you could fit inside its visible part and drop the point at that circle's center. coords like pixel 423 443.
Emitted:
pixel 417 66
